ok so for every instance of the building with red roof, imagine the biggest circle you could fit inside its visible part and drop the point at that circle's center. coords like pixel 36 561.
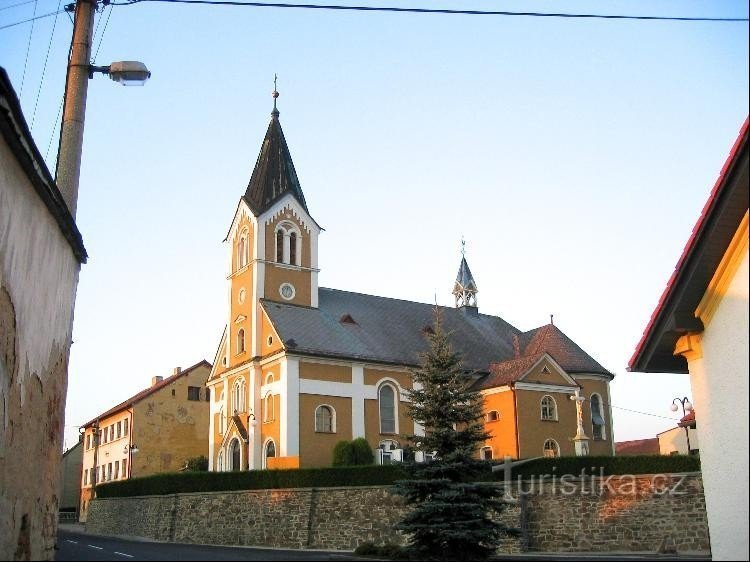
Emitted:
pixel 700 327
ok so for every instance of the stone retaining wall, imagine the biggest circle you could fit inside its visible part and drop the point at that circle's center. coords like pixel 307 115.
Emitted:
pixel 640 513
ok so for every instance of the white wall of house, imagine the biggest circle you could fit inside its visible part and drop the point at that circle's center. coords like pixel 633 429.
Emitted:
pixel 719 382
pixel 38 278
pixel 675 441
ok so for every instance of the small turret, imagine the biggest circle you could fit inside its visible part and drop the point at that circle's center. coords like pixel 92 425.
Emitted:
pixel 465 288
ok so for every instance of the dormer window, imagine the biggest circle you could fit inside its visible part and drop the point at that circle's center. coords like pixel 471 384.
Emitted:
pixel 288 244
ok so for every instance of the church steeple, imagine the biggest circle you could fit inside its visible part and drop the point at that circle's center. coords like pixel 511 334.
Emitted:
pixel 465 288
pixel 274 175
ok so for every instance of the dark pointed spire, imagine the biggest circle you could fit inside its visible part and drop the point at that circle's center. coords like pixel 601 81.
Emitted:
pixel 274 175
pixel 465 288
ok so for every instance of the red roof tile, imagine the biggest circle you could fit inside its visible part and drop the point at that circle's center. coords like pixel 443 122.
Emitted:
pixel 637 447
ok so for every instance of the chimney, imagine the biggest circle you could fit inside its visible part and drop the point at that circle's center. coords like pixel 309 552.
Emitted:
pixel 156 380
pixel 176 370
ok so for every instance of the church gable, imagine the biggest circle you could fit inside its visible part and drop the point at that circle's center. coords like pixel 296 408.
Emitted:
pixel 547 371
pixel 219 366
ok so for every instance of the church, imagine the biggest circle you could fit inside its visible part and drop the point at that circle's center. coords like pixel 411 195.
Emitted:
pixel 301 367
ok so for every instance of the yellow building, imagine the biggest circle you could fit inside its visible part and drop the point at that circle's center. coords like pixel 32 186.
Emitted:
pixel 154 431
pixel 301 367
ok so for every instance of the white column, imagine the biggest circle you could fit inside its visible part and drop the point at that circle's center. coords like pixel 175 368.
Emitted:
pixel 314 267
pixel 289 415
pixel 211 444
pixel 358 401
pixel 254 460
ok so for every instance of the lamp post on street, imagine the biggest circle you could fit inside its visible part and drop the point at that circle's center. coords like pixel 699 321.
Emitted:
pixel 68 170
pixel 687 408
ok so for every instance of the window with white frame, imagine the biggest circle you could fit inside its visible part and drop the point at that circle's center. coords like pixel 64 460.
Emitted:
pixel 325 419
pixel 549 408
pixel 268 413
pixel 269 378
pixel 240 341
pixel 269 452
pixel 551 448
pixel 239 393
pixel 485 453
pixel 288 244
pixel 388 450
pixel 598 426
pixel 387 406
pixel 220 462
pixel 492 416
pixel 222 426
pixel 242 250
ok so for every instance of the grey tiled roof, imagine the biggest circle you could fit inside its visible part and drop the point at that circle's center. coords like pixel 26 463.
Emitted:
pixel 379 329
pixel 387 330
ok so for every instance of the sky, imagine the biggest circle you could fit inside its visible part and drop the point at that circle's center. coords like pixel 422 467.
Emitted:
pixel 573 155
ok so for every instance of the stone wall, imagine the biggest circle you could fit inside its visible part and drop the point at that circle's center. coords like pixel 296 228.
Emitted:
pixel 575 515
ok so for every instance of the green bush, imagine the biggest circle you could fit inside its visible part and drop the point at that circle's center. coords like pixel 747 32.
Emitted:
pixel 641 464
pixel 197 464
pixel 353 453
pixel 184 482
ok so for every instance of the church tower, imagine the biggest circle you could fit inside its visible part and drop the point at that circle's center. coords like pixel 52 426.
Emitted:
pixel 465 288
pixel 273 245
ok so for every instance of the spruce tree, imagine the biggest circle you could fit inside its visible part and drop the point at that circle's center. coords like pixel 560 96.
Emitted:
pixel 451 513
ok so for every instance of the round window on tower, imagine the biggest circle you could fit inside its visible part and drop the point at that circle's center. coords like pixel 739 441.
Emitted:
pixel 287 291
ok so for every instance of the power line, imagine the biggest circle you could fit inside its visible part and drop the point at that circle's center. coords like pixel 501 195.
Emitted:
pixel 101 37
pixel 644 413
pixel 44 69
pixel 14 5
pixel 6 26
pixel 28 48
pixel 430 10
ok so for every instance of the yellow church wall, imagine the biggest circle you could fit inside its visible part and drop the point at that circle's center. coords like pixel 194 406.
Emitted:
pixel 273 369
pixel 374 376
pixel 503 431
pixel 325 372
pixel 270 429
pixel 316 449
pixel 272 345
pixel 533 431
pixel 276 275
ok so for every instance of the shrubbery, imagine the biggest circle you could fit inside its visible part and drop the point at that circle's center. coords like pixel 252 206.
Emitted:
pixel 641 464
pixel 184 482
pixel 353 453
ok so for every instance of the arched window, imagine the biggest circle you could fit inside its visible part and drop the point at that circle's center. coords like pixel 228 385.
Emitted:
pixel 549 409
pixel 598 427
pixel 387 403
pixel 269 452
pixel 280 246
pixel 551 448
pixel 269 378
pixel 241 341
pixel 293 248
pixel 220 462
pixel 222 427
pixel 325 419
pixel 493 415
pixel 242 250
pixel 238 395
pixel 268 413
pixel 234 455
pixel 288 247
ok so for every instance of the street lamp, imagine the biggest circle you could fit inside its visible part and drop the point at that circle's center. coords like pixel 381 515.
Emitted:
pixel 80 70
pixel 130 449
pixel 251 420
pixel 127 72
pixel 687 407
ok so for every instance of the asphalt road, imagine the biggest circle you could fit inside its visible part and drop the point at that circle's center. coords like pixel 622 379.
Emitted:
pixel 77 546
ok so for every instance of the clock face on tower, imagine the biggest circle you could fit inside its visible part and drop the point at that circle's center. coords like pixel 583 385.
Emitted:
pixel 287 291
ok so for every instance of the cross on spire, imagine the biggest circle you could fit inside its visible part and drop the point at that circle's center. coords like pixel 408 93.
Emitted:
pixel 275 95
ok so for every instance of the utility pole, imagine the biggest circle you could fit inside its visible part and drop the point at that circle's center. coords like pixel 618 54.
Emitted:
pixel 68 169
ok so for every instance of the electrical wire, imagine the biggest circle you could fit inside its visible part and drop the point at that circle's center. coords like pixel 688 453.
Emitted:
pixel 14 5
pixel 643 413
pixel 429 10
pixel 44 69
pixel 101 37
pixel 28 49
pixel 7 25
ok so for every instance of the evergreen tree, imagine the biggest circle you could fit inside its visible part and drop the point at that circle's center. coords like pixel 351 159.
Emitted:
pixel 451 513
